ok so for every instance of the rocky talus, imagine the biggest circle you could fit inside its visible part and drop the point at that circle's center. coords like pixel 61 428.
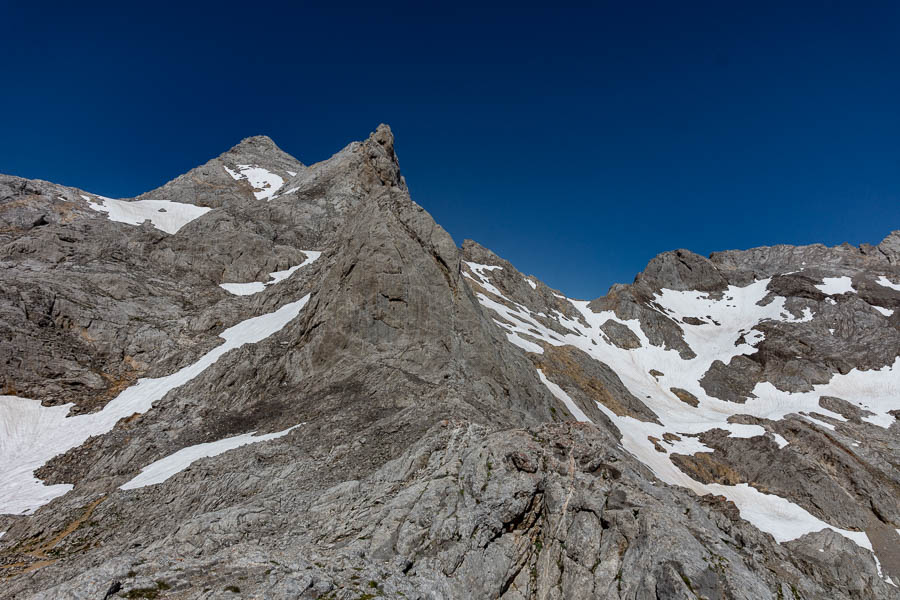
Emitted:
pixel 267 379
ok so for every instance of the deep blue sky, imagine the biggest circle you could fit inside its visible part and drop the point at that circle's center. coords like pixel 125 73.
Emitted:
pixel 576 141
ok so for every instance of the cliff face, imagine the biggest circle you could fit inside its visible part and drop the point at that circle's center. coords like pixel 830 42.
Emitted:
pixel 266 379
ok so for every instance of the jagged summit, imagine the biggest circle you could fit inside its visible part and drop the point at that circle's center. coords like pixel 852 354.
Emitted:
pixel 267 379
pixel 384 136
pixel 890 247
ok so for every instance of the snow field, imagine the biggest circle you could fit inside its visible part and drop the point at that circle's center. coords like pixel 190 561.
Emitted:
pixel 728 330
pixel 164 215
pixel 32 434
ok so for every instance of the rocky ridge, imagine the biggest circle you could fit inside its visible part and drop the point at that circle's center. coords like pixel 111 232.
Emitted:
pixel 429 422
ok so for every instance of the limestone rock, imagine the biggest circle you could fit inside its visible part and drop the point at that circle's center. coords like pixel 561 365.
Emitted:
pixel 438 425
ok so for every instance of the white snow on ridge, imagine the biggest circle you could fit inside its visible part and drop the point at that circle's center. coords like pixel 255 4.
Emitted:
pixel 31 434
pixel 885 311
pixel 836 285
pixel 727 331
pixel 164 468
pixel 481 269
pixel 247 289
pixel 164 215
pixel 482 272
pixel 522 323
pixel 264 182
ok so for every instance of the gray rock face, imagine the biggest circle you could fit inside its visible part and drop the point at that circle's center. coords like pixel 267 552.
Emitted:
pixel 837 323
pixel 212 185
pixel 428 457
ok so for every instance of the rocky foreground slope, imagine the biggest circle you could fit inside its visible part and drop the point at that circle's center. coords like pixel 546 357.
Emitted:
pixel 272 380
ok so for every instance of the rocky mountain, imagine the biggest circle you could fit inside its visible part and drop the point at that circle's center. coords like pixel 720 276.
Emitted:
pixel 273 380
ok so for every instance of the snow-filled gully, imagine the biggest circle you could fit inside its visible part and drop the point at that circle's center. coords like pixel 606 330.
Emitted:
pixel 726 321
pixel 164 468
pixel 265 184
pixel 254 287
pixel 32 434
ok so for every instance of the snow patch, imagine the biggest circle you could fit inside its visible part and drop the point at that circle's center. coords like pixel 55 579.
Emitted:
pixel 564 398
pixel 779 440
pixel 728 329
pixel 32 434
pixel 781 518
pixel 885 311
pixel 164 215
pixel 521 323
pixel 876 391
pixel 836 285
pixel 818 422
pixel 481 271
pixel 243 289
pixel 884 281
pixel 163 469
pixel 264 182
pixel 524 344
pixel 247 289
pixel 775 515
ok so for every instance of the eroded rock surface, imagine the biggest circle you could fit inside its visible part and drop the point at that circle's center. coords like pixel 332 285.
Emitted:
pixel 438 425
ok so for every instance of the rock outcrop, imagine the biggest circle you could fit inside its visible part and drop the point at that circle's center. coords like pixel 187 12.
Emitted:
pixel 272 380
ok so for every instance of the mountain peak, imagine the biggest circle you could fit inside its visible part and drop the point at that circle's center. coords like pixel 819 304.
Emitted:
pixel 384 136
pixel 308 366
pixel 268 165
pixel 258 148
